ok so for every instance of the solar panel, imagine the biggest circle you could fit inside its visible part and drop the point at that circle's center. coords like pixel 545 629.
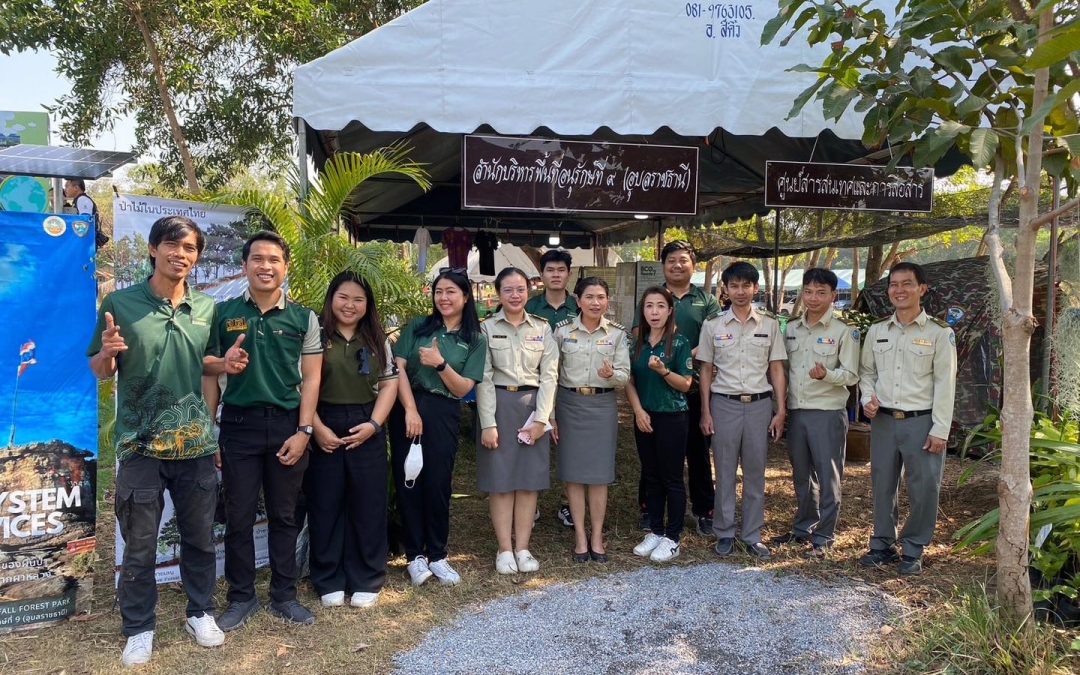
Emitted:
pixel 55 162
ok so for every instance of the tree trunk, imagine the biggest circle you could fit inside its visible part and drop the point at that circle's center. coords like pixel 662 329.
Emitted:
pixel 166 98
pixel 707 287
pixel 830 257
pixel 765 264
pixel 854 276
pixel 875 257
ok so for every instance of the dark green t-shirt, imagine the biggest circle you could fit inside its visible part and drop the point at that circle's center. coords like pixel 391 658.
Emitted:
pixel 350 375
pixel 654 393
pixel 275 343
pixel 539 306
pixel 467 359
pixel 160 410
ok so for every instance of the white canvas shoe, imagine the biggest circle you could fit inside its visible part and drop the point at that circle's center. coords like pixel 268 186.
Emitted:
pixel 647 545
pixel 666 550
pixel 138 649
pixel 526 562
pixel 362 600
pixel 419 572
pixel 447 575
pixel 334 599
pixel 505 563
pixel 205 630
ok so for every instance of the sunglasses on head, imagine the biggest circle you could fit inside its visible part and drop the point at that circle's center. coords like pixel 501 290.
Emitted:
pixel 453 270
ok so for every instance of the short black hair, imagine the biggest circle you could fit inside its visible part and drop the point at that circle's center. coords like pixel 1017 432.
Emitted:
pixel 678 245
pixel 914 268
pixel 739 271
pixel 582 284
pixel 556 255
pixel 81 184
pixel 266 235
pixel 174 228
pixel 820 275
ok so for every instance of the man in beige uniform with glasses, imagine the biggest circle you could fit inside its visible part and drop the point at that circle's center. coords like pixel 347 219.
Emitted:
pixel 908 380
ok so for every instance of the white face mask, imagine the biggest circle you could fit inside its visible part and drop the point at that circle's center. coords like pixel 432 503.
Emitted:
pixel 414 461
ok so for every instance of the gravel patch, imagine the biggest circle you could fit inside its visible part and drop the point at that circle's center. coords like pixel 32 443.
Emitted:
pixel 701 619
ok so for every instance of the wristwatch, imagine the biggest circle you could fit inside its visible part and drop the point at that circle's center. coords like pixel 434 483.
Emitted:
pixel 375 425
pixel 441 367
pixel 306 429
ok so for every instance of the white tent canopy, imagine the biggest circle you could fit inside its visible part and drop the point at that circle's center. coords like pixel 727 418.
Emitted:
pixel 570 66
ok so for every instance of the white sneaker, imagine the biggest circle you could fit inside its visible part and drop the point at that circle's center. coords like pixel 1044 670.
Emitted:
pixel 205 630
pixel 362 600
pixel 525 561
pixel 505 563
pixel 665 550
pixel 334 599
pixel 138 649
pixel 650 542
pixel 419 572
pixel 447 575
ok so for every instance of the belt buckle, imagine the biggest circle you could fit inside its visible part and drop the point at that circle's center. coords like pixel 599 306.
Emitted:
pixel 586 391
pixel 898 415
pixel 512 389
pixel 745 398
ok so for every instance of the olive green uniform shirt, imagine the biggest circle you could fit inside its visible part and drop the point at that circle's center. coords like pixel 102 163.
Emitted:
pixel 655 394
pixel 276 341
pixel 832 343
pixel 581 353
pixel 741 351
pixel 467 359
pixel 523 355
pixel 539 306
pixel 349 373
pixel 911 368
pixel 160 410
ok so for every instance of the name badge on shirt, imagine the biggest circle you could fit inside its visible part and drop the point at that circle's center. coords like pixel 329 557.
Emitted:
pixel 498 337
pixel 236 326
pixel 922 343
pixel 723 337
pixel 882 340
pixel 605 342
pixel 535 338
pixel 761 335
pixel 826 341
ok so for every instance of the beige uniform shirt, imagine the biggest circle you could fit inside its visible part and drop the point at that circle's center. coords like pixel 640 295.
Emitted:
pixel 741 351
pixel 582 353
pixel 911 368
pixel 523 355
pixel 830 342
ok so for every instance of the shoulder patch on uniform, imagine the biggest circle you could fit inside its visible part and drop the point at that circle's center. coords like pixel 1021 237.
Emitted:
pixel 564 322
pixel 952 338
pixel 884 318
pixel 619 326
pixel 839 316
pixel 940 322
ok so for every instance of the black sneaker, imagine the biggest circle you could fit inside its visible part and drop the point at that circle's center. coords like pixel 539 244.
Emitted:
pixel 292 612
pixel 724 546
pixel 704 525
pixel 757 550
pixel 910 566
pixel 789 538
pixel 877 557
pixel 237 614
pixel 643 522
pixel 564 516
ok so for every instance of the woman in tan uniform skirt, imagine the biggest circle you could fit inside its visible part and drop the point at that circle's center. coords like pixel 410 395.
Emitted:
pixel 594 361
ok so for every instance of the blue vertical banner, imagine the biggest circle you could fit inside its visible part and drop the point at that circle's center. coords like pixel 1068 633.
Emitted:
pixel 49 409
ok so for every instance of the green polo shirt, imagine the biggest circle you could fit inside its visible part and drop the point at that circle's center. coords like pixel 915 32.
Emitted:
pixel 275 342
pixel 343 382
pixel 467 359
pixel 691 312
pixel 539 306
pixel 160 410
pixel 655 394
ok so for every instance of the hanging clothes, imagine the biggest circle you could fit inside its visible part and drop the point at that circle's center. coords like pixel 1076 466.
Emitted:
pixel 486 243
pixel 422 239
pixel 457 243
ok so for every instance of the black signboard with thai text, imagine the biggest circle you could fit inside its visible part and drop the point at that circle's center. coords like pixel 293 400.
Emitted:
pixel 545 174
pixel 860 187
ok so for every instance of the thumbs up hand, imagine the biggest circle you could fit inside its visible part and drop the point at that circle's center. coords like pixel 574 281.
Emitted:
pixel 818 371
pixel 431 356
pixel 606 370
pixel 112 342
pixel 236 358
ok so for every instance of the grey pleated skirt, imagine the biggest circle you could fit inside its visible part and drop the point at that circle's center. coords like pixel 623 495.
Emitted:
pixel 588 435
pixel 513 466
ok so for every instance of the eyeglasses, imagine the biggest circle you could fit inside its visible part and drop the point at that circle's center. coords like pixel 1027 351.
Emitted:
pixel 453 270
pixel 363 361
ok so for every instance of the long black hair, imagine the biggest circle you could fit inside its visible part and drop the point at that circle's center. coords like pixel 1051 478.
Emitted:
pixel 470 322
pixel 644 328
pixel 369 329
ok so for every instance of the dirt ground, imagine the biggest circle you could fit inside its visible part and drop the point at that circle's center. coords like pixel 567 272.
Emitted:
pixel 345 640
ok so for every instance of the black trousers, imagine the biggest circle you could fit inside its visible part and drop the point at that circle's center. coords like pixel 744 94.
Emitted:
pixel 346 507
pixel 140 485
pixel 661 454
pixel 425 507
pixel 250 440
pixel 698 461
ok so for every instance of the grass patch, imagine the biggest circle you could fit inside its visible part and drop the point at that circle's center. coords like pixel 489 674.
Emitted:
pixel 967 635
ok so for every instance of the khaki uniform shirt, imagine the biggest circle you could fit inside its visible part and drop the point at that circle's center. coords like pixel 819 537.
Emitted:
pixel 832 343
pixel 524 355
pixel 911 368
pixel 581 353
pixel 741 351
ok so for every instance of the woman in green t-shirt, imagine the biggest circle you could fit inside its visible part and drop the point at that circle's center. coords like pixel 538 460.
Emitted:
pixel 660 374
pixel 440 359
pixel 345 483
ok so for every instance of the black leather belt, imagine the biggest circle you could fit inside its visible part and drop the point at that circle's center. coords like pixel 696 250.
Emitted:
pixel 747 398
pixel 589 391
pixel 256 411
pixel 520 387
pixel 903 414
